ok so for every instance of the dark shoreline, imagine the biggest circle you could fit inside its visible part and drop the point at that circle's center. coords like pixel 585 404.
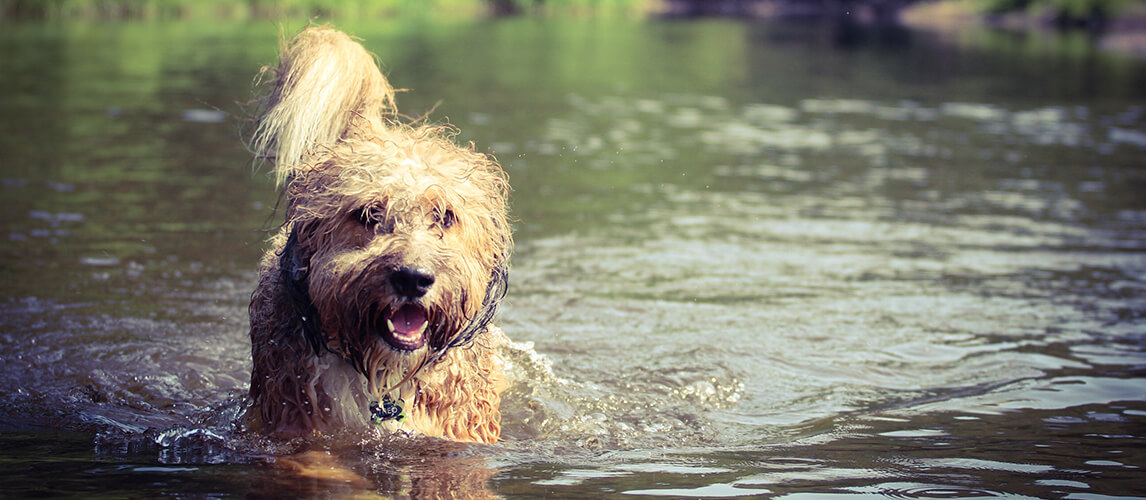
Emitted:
pixel 1124 32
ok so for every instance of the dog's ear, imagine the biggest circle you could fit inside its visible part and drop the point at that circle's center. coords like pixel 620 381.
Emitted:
pixel 503 234
pixel 499 277
pixel 294 269
pixel 294 266
pixel 495 291
pixel 499 284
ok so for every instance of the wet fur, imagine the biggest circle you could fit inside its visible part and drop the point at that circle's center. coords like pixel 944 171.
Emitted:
pixel 366 194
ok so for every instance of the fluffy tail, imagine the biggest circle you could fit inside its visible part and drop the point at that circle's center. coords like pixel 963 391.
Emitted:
pixel 324 85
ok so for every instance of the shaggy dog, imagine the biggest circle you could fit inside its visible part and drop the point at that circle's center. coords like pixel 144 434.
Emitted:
pixel 374 302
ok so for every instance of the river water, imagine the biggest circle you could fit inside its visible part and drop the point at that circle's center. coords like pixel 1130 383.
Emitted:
pixel 770 260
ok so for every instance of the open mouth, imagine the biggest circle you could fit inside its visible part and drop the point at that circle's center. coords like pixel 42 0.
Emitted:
pixel 404 327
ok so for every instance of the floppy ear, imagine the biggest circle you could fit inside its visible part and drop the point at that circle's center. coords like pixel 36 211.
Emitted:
pixel 495 291
pixel 294 266
pixel 284 326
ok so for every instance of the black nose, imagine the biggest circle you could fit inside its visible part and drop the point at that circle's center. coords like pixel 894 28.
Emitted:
pixel 411 282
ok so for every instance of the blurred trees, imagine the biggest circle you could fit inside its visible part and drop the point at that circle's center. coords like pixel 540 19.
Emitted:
pixel 1063 12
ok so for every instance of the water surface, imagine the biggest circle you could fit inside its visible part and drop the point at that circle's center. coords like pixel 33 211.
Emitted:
pixel 753 260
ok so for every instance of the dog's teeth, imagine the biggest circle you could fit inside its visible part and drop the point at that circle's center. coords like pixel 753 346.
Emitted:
pixel 422 329
pixel 390 325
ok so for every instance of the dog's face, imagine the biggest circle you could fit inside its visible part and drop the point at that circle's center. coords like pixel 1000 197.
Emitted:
pixel 395 240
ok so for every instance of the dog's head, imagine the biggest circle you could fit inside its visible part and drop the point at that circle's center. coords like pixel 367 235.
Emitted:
pixel 398 244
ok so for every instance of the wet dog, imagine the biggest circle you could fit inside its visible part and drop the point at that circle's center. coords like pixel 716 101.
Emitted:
pixel 374 303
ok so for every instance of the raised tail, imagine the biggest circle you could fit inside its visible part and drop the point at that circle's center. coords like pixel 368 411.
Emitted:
pixel 324 86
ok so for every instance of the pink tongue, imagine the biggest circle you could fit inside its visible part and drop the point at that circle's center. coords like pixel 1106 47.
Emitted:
pixel 408 319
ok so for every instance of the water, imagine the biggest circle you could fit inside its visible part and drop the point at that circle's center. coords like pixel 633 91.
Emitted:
pixel 753 260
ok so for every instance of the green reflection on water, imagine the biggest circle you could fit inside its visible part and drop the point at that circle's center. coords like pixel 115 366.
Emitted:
pixel 95 115
pixel 695 158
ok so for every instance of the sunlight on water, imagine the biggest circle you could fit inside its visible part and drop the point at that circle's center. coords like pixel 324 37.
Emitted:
pixel 818 282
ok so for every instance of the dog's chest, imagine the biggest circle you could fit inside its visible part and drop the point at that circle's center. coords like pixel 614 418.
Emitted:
pixel 347 402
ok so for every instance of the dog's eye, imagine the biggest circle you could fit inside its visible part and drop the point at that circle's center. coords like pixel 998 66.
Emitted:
pixel 370 217
pixel 445 219
pixel 365 217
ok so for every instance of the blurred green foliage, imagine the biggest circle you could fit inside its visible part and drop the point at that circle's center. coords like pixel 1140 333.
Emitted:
pixel 216 8
pixel 1066 11
pixel 150 9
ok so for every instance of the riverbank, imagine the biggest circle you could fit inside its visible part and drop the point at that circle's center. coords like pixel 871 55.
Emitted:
pixel 1117 25
pixel 1122 31
pixel 328 9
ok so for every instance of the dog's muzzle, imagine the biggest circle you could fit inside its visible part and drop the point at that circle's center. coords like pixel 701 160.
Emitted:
pixel 411 282
pixel 404 325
